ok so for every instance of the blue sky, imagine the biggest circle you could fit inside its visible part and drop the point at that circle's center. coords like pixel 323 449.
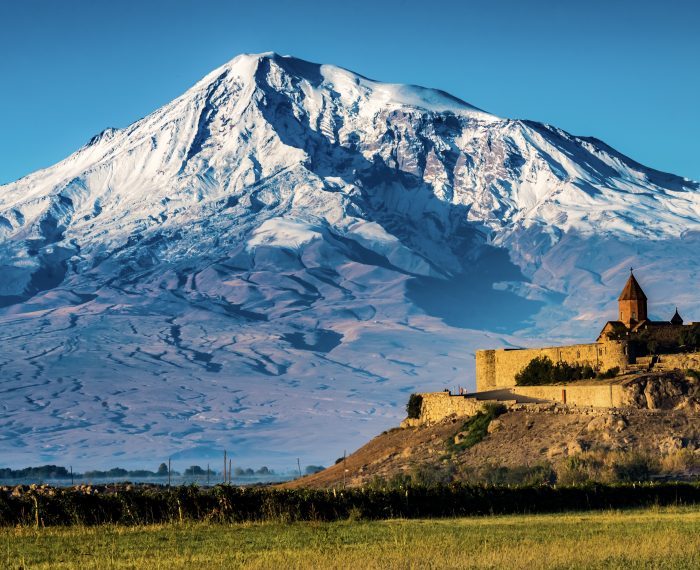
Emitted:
pixel 625 72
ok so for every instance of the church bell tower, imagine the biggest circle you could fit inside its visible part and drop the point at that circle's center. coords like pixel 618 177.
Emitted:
pixel 632 303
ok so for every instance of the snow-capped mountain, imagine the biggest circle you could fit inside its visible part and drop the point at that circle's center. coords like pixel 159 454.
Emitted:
pixel 275 259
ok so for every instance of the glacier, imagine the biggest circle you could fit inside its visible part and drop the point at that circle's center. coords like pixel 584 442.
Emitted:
pixel 273 261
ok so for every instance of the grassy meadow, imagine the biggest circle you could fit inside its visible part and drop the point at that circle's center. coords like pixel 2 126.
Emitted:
pixel 644 538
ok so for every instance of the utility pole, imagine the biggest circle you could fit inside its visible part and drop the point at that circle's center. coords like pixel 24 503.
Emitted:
pixel 299 466
pixel 168 471
pixel 225 464
pixel 345 456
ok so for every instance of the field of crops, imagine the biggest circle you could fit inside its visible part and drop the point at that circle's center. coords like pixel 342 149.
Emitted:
pixel 644 538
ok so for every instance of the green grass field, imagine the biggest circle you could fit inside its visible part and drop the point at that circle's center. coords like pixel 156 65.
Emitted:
pixel 650 538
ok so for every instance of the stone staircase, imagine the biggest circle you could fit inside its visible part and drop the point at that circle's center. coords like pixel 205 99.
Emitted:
pixel 642 364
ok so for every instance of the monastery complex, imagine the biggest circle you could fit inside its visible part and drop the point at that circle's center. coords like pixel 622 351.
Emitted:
pixel 615 346
pixel 626 350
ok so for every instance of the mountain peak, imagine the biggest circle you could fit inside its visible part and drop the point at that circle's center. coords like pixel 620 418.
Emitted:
pixel 343 82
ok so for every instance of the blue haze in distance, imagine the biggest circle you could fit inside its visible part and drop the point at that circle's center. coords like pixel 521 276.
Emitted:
pixel 624 71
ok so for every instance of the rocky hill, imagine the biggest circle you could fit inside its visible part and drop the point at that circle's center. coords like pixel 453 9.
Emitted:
pixel 657 436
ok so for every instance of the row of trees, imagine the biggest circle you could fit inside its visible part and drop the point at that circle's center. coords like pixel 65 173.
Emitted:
pixel 542 370
pixel 59 472
pixel 662 340
pixel 224 503
pixel 680 339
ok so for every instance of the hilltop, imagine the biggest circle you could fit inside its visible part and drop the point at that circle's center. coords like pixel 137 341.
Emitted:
pixel 657 436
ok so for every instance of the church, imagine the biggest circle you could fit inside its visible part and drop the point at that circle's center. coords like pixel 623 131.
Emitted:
pixel 633 316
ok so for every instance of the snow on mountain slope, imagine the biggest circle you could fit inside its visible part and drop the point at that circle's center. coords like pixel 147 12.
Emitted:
pixel 275 259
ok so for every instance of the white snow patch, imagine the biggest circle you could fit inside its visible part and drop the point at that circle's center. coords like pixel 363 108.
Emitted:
pixel 279 232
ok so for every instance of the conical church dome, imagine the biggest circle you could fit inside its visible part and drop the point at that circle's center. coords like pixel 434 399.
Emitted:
pixel 676 320
pixel 632 290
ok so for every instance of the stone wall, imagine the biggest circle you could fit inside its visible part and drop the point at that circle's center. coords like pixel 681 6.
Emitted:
pixel 687 361
pixel 485 370
pixel 497 368
pixel 436 406
pixel 597 396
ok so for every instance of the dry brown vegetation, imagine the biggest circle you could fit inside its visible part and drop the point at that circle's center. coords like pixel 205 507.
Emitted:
pixel 538 444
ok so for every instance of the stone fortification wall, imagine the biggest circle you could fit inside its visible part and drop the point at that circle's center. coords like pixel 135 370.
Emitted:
pixel 597 396
pixel 436 406
pixel 687 361
pixel 497 368
pixel 644 391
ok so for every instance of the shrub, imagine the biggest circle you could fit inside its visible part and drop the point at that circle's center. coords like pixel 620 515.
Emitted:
pixel 538 371
pixel 689 336
pixel 542 370
pixel 539 474
pixel 609 373
pixel 693 374
pixel 475 428
pixel 427 475
pixel 634 467
pixel 678 462
pixel 606 467
pixel 579 470
pixel 415 402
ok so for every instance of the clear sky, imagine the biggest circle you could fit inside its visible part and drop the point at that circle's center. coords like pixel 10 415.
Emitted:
pixel 627 72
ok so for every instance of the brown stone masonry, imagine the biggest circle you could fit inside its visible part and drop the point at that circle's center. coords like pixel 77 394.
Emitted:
pixel 497 368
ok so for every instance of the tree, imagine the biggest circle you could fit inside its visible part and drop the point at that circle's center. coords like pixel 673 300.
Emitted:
pixel 413 407
pixel 162 470
pixel 542 370
pixel 539 370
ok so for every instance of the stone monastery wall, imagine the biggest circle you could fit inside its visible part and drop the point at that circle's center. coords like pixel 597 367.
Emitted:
pixel 681 361
pixel 437 406
pixel 596 396
pixel 497 368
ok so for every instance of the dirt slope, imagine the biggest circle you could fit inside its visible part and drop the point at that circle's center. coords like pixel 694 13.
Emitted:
pixel 565 444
